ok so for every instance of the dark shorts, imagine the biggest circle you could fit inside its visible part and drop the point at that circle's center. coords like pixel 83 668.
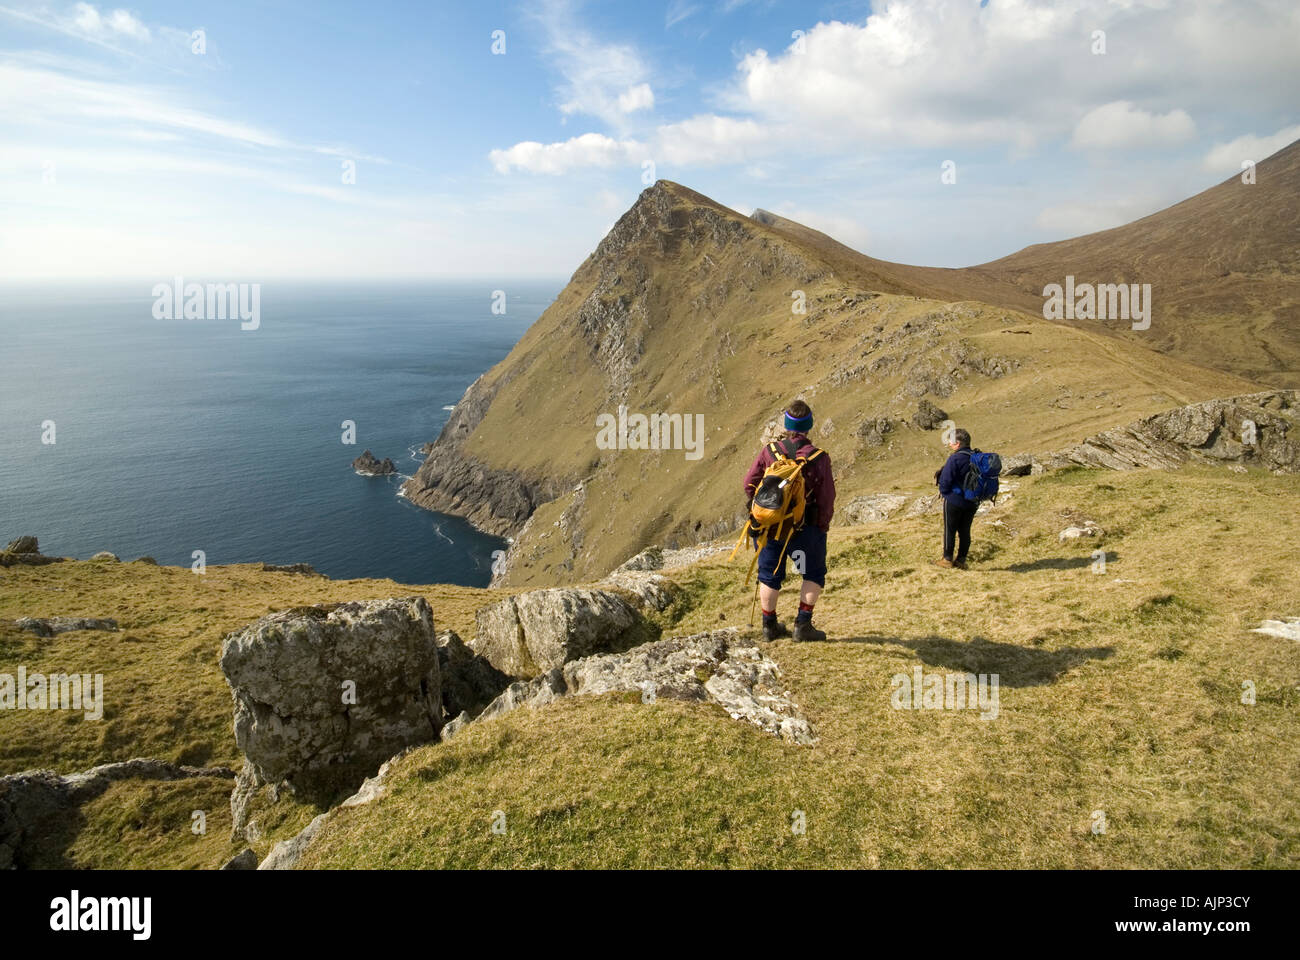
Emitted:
pixel 810 542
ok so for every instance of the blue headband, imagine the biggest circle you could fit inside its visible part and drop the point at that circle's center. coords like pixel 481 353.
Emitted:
pixel 798 426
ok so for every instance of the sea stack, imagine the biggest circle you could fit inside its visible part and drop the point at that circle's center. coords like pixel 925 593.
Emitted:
pixel 367 465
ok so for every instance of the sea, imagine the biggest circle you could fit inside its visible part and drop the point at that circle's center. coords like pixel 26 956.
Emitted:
pixel 143 436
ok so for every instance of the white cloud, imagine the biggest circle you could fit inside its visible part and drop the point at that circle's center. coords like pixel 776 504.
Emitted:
pixel 588 150
pixel 1228 157
pixel 89 20
pixel 640 97
pixel 603 80
pixel 1120 124
pixel 1076 219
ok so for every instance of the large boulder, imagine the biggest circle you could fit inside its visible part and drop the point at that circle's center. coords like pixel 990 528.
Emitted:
pixel 531 633
pixel 873 508
pixel 324 695
pixel 24 544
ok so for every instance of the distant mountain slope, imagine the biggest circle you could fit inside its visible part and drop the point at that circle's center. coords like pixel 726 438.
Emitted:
pixel 687 308
pixel 1224 267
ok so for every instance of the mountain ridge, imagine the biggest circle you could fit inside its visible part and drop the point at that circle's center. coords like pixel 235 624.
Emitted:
pixel 689 307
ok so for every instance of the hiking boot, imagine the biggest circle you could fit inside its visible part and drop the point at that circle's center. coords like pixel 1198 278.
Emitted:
pixel 805 632
pixel 775 630
pixel 945 563
pixel 959 564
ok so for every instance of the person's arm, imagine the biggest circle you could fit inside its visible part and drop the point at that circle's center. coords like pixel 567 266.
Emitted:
pixel 755 474
pixel 948 476
pixel 824 491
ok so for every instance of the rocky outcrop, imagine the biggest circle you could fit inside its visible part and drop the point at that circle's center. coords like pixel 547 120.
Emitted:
pixel 306 569
pixel 450 481
pixel 244 860
pixel 24 551
pixel 1260 429
pixel 928 416
pixel 715 667
pixel 34 802
pixel 528 634
pixel 873 508
pixel 367 465
pixel 1288 629
pixel 469 681
pixel 50 626
pixel 105 556
pixel 323 695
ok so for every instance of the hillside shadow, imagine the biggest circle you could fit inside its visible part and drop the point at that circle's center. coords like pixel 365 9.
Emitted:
pixel 1016 666
pixel 1057 563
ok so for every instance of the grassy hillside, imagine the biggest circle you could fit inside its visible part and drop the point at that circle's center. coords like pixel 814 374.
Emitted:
pixel 686 307
pixel 1224 267
pixel 164 694
pixel 1119 692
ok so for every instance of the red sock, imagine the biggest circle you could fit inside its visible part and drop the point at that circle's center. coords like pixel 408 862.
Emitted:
pixel 768 614
pixel 805 606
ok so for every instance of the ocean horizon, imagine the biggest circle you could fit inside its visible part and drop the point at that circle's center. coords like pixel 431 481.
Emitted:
pixel 129 432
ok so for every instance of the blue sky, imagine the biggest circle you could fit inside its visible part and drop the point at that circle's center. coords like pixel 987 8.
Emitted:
pixel 126 153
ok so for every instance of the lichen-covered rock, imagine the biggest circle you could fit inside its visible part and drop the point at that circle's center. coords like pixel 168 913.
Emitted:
pixel 49 626
pixel 105 557
pixel 869 509
pixel 324 695
pixel 531 633
pixel 928 416
pixel 718 667
pixel 1260 429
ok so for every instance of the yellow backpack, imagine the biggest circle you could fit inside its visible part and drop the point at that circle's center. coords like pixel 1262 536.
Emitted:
pixel 780 500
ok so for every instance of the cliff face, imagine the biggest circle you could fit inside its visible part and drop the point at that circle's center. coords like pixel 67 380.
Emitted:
pixel 691 311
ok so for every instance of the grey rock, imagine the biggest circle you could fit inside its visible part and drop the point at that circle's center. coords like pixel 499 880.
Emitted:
pixel 872 508
pixel 1210 432
pixel 289 672
pixel 651 558
pixel 652 590
pixel 469 681
pixel 26 544
pixel 33 801
pixel 1018 465
pixel 303 568
pixel 531 633
pixel 50 626
pixel 105 557
pixel 247 860
pixel 285 854
pixel 370 466
pixel 1076 531
pixel 717 667
pixel 928 416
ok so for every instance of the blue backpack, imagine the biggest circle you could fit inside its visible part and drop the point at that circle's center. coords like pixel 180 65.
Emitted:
pixel 981 481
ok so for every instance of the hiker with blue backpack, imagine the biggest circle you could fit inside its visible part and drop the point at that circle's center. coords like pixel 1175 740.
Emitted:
pixel 967 478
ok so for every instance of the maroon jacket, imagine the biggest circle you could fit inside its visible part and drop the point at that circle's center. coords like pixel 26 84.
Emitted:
pixel 820 483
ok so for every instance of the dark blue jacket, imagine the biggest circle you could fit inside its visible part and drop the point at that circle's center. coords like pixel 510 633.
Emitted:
pixel 953 476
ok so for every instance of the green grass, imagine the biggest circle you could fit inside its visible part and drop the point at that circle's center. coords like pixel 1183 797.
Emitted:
pixel 1120 692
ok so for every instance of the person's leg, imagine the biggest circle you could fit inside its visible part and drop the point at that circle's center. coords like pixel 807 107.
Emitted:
pixel 963 532
pixel 771 574
pixel 812 543
pixel 951 522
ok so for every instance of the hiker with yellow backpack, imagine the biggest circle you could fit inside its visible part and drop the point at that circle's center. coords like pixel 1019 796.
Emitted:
pixel 791 499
